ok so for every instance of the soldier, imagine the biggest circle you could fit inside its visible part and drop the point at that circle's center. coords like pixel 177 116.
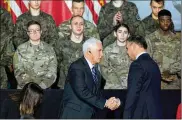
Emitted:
pixel 69 48
pixel 35 60
pixel 165 49
pixel 116 12
pixel 49 29
pixel 115 64
pixel 151 23
pixel 90 29
pixel 6 46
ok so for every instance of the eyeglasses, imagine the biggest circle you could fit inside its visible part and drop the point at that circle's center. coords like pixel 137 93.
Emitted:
pixel 33 31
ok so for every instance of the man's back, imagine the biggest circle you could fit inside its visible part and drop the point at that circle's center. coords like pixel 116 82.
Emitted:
pixel 144 82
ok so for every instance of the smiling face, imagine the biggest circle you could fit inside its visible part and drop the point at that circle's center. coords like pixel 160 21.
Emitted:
pixel 77 25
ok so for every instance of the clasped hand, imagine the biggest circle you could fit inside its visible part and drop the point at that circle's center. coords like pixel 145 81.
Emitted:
pixel 112 103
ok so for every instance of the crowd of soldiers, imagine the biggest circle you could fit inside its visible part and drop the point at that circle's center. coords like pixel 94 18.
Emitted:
pixel 47 61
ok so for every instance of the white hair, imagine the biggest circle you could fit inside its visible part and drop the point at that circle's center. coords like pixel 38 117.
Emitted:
pixel 89 43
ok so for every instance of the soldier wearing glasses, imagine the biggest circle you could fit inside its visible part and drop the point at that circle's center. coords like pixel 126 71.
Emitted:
pixel 35 60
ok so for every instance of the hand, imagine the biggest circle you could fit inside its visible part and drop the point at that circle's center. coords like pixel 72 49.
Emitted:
pixel 117 18
pixel 112 103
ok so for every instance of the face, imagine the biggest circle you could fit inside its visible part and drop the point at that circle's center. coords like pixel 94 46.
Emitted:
pixel 34 32
pixel 77 25
pixel 165 22
pixel 156 7
pixel 122 34
pixel 77 8
pixel 35 4
pixel 97 53
pixel 130 50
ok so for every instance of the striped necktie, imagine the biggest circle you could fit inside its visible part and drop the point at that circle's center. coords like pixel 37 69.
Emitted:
pixel 94 74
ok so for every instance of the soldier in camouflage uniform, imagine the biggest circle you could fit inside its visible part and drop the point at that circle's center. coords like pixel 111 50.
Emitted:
pixel 151 23
pixel 6 46
pixel 90 29
pixel 113 13
pixel 35 60
pixel 165 49
pixel 49 29
pixel 69 48
pixel 115 65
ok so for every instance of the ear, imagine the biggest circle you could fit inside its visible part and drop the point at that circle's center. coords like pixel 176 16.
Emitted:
pixel 41 32
pixel 72 10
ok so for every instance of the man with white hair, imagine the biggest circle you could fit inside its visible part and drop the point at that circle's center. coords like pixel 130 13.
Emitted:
pixel 84 83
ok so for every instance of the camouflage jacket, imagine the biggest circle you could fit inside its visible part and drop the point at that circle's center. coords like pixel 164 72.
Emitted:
pixel 67 52
pixel 150 25
pixel 35 63
pixel 90 30
pixel 6 46
pixel 48 26
pixel 115 67
pixel 165 50
pixel 105 23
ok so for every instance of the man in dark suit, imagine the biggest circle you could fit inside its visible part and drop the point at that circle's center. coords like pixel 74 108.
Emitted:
pixel 143 98
pixel 82 90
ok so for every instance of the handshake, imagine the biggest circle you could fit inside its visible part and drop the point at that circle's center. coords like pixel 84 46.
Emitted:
pixel 112 103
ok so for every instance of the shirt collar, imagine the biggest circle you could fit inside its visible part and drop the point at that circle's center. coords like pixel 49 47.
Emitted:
pixel 90 64
pixel 140 54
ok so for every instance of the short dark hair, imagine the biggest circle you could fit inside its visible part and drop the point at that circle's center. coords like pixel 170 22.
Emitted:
pixel 78 1
pixel 74 17
pixel 139 40
pixel 33 22
pixel 164 12
pixel 121 25
pixel 158 1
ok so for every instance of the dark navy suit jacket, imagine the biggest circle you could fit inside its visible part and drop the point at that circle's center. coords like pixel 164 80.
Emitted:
pixel 81 93
pixel 143 98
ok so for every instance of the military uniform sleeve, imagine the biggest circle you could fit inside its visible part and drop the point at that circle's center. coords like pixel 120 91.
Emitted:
pixel 20 34
pixel 51 72
pixel 133 20
pixel 149 46
pixel 52 36
pixel 105 26
pixel 175 67
pixel 63 29
pixel 91 30
pixel 22 76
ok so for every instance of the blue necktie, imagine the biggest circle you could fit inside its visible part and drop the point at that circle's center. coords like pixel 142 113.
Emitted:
pixel 94 74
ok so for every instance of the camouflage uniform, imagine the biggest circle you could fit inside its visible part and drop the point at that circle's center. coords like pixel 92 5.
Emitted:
pixel 105 23
pixel 90 30
pixel 150 25
pixel 35 63
pixel 115 66
pixel 67 52
pixel 48 27
pixel 166 50
pixel 6 46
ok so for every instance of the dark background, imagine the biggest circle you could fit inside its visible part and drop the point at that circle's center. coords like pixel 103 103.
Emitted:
pixel 52 100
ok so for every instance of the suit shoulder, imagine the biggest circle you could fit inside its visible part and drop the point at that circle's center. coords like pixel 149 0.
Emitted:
pixel 77 64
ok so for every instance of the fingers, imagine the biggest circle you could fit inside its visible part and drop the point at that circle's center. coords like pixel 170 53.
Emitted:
pixel 112 103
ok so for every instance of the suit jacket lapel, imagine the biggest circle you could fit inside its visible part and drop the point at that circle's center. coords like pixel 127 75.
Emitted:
pixel 91 82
